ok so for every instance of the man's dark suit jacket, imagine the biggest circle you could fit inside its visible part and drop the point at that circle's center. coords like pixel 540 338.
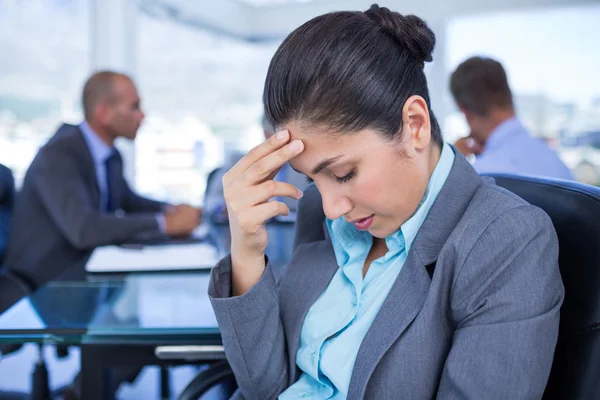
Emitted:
pixel 57 221
pixel 7 194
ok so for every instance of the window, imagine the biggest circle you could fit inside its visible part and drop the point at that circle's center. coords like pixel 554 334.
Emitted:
pixel 201 92
pixel 552 66
pixel 41 74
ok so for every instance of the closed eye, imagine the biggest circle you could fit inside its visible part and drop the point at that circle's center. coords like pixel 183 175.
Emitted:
pixel 342 179
pixel 345 178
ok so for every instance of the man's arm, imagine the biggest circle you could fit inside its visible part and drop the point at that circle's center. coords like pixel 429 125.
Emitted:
pixel 136 203
pixel 132 202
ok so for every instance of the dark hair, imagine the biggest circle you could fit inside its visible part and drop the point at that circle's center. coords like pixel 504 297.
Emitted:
pixel 479 84
pixel 99 87
pixel 349 71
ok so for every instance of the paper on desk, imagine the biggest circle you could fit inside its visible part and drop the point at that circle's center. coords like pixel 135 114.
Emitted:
pixel 22 316
pixel 164 257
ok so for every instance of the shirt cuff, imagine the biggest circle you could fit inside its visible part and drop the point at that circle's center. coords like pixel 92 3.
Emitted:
pixel 162 224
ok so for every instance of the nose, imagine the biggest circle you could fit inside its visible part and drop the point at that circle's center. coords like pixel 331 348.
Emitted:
pixel 335 205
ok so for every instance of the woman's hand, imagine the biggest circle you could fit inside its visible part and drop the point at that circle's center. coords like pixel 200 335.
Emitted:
pixel 247 188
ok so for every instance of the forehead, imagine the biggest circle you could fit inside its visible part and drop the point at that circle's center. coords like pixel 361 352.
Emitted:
pixel 320 144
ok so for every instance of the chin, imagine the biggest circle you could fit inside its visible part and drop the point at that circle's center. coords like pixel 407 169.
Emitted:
pixel 381 232
pixel 378 232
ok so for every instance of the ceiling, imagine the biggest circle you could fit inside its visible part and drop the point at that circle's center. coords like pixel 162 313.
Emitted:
pixel 267 20
pixel 263 3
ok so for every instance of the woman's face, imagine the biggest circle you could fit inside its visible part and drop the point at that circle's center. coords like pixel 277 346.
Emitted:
pixel 373 182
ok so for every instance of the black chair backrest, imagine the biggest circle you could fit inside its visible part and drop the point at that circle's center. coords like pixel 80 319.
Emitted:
pixel 7 187
pixel 575 211
pixel 7 200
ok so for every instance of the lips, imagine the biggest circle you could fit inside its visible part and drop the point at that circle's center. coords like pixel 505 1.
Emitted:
pixel 363 224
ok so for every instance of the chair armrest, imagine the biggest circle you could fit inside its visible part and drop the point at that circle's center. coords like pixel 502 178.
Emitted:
pixel 217 373
pixel 190 353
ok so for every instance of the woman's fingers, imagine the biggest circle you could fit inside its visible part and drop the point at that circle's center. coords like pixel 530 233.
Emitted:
pixel 264 168
pixel 269 146
pixel 249 185
pixel 251 220
pixel 263 192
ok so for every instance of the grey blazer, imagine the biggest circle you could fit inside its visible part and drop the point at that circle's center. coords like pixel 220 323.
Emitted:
pixel 473 314
pixel 57 221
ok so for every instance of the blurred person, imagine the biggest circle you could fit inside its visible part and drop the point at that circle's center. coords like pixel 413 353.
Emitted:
pixel 412 276
pixel 498 139
pixel 7 194
pixel 75 198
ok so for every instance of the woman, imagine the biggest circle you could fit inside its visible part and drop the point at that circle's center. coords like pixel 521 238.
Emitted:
pixel 424 280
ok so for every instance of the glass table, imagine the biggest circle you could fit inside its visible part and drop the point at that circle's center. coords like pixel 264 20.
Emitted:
pixel 131 320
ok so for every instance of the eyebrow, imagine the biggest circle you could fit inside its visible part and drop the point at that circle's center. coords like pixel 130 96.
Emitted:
pixel 324 164
pixel 321 166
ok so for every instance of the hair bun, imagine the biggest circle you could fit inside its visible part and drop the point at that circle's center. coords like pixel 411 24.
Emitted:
pixel 410 31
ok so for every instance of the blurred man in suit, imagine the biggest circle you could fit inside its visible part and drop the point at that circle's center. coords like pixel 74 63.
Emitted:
pixel 74 196
pixel 498 139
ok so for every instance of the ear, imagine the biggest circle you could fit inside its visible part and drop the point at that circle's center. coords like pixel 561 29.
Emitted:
pixel 102 112
pixel 417 125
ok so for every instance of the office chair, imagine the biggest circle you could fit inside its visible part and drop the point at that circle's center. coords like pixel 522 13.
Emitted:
pixel 13 289
pixel 7 200
pixel 218 373
pixel 575 212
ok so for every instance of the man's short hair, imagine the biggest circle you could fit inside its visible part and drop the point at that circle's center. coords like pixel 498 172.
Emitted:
pixel 98 88
pixel 480 84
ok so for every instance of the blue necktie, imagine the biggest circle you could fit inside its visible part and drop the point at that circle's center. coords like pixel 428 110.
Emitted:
pixel 111 165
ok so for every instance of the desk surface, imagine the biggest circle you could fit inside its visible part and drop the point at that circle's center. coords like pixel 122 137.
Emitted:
pixel 170 308
pixel 157 308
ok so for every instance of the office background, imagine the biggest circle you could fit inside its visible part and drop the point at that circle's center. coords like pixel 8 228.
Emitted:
pixel 200 67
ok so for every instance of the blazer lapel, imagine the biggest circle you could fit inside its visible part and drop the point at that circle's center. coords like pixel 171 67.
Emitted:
pixel 409 292
pixel 307 276
pixel 398 310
